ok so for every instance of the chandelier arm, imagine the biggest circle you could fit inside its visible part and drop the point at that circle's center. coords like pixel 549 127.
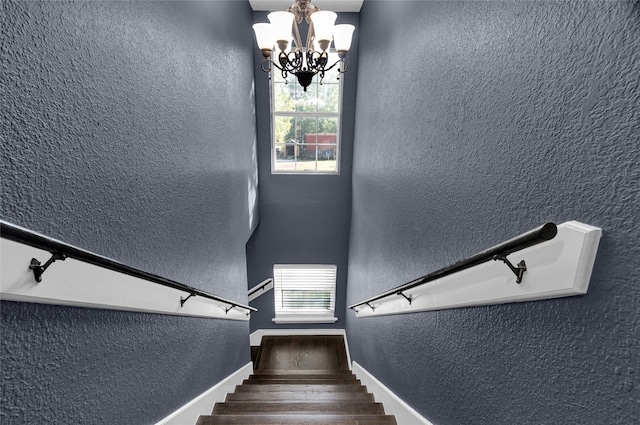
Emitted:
pixel 291 66
pixel 285 70
pixel 317 61
pixel 321 74
pixel 268 62
pixel 296 61
pixel 341 71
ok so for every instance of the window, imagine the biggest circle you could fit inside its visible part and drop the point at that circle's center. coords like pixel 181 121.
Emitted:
pixel 306 125
pixel 304 293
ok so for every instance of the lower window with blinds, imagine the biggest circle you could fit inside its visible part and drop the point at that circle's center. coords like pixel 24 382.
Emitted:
pixel 304 293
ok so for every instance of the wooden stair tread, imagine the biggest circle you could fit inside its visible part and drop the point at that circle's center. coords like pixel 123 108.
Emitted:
pixel 306 388
pixel 305 376
pixel 288 396
pixel 303 372
pixel 302 381
pixel 297 419
pixel 293 352
pixel 308 408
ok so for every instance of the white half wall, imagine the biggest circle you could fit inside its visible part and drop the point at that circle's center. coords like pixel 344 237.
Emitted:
pixel 79 284
pixel 560 267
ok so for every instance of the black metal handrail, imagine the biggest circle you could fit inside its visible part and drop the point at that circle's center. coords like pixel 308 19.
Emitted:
pixel 266 283
pixel 497 253
pixel 61 250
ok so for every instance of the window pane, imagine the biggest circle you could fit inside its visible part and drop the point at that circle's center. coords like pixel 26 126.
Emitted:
pixel 328 125
pixel 283 97
pixel 306 130
pixel 328 97
pixel 306 137
pixel 306 300
pixel 284 145
pixel 306 100
pixel 327 158
pixel 283 128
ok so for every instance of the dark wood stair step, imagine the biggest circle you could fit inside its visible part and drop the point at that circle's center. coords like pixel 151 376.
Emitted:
pixel 303 374
pixel 302 352
pixel 286 396
pixel 304 408
pixel 297 419
pixel 301 382
pixel 307 388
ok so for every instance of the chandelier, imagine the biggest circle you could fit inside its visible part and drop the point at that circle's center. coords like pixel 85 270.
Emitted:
pixel 303 60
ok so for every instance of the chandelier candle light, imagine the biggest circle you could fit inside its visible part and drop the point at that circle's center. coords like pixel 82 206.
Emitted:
pixel 303 61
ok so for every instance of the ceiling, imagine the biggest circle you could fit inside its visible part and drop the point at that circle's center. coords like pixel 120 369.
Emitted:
pixel 334 5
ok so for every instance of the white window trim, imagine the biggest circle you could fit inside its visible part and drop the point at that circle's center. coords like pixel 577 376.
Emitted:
pixel 304 319
pixel 337 115
pixel 298 316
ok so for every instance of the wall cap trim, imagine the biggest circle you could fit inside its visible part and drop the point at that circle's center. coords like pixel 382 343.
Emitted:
pixel 560 267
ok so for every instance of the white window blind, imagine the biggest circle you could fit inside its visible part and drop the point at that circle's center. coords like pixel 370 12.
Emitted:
pixel 304 290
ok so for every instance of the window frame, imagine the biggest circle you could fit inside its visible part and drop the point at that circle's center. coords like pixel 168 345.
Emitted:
pixel 291 79
pixel 303 315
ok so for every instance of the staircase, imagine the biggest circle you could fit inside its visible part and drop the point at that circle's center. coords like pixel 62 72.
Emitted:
pixel 300 380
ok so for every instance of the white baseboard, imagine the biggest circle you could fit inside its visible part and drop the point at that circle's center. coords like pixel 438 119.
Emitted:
pixel 203 404
pixel 256 337
pixel 393 405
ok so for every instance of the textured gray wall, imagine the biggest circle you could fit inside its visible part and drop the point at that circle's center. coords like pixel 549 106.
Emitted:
pixel 128 129
pixel 477 121
pixel 303 218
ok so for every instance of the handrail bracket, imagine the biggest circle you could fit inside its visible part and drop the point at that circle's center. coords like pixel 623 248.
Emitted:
pixel 517 270
pixel 39 269
pixel 184 300
pixel 408 298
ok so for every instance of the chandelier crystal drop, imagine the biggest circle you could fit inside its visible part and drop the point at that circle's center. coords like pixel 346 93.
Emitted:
pixel 304 60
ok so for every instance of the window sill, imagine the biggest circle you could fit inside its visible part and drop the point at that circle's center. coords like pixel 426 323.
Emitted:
pixel 305 319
